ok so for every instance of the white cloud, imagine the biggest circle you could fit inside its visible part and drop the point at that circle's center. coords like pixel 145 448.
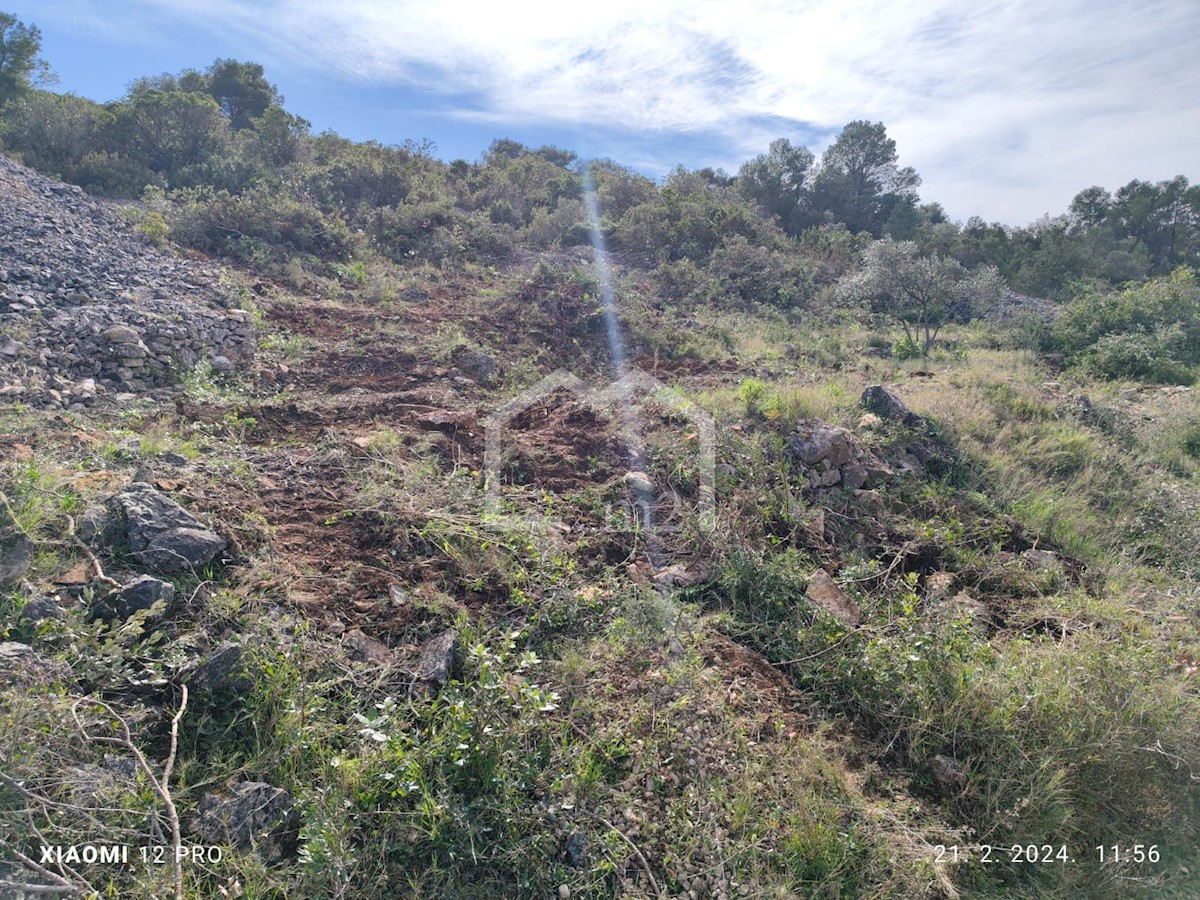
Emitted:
pixel 1006 108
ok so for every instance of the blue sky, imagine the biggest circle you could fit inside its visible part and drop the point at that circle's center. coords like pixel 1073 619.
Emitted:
pixel 1007 109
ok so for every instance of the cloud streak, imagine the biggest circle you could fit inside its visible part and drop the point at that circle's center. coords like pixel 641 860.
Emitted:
pixel 1006 108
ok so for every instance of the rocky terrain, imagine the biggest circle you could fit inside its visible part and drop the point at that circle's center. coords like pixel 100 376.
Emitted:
pixel 278 598
pixel 89 307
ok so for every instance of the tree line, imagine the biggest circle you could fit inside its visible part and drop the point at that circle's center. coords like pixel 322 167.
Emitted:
pixel 222 166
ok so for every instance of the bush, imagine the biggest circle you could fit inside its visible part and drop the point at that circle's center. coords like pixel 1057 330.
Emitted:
pixel 1149 332
pixel 754 274
pixel 260 227
pixel 1190 441
pixel 907 348
pixel 1146 357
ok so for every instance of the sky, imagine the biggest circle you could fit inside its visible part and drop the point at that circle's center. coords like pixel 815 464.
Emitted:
pixel 1006 109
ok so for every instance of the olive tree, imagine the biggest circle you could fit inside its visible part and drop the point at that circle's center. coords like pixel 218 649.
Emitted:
pixel 921 292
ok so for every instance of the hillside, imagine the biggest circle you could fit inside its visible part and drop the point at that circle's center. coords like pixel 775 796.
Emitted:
pixel 269 590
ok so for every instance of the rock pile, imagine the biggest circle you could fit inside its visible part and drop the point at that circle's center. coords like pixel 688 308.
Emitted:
pixel 833 457
pixel 86 307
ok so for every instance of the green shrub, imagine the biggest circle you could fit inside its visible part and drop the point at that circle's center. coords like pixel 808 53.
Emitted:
pixel 743 273
pixel 1190 441
pixel 907 348
pixel 1149 332
pixel 752 392
pixel 1142 356
pixel 262 227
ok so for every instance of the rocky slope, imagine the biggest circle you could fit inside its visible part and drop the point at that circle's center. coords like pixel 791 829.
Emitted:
pixel 88 306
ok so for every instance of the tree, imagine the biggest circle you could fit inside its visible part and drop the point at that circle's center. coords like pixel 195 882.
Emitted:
pixel 278 138
pixel 189 81
pixel 904 220
pixel 1090 208
pixel 922 293
pixel 20 66
pixel 859 182
pixel 168 131
pixel 53 132
pixel 241 90
pixel 777 179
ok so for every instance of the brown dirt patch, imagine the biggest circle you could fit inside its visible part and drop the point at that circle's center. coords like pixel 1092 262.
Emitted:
pixel 561 446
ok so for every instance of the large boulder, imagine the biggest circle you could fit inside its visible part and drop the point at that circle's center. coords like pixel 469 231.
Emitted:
pixel 254 817
pixel 884 403
pixel 161 533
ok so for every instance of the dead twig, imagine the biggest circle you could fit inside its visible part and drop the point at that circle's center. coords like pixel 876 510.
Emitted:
pixel 96 567
pixel 632 846
pixel 60 886
pixel 161 786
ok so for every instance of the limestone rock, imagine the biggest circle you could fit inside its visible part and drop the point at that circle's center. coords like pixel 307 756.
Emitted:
pixel 477 366
pixel 122 334
pixel 575 850
pixel 815 442
pixel 161 533
pixel 254 817
pixel 682 576
pixel 20 664
pixel 366 649
pixel 16 553
pixel 825 593
pixel 640 484
pixel 854 476
pixel 1041 559
pixel 448 419
pixel 438 658
pixel 223 669
pixel 884 403
pixel 40 609
pixel 141 593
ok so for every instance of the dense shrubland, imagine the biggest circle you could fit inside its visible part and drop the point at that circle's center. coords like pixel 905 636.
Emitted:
pixel 231 171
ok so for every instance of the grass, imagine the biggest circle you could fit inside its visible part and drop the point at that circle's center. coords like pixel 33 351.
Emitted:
pixel 727 740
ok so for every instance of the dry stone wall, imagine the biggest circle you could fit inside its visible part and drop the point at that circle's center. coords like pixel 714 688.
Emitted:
pixel 88 307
